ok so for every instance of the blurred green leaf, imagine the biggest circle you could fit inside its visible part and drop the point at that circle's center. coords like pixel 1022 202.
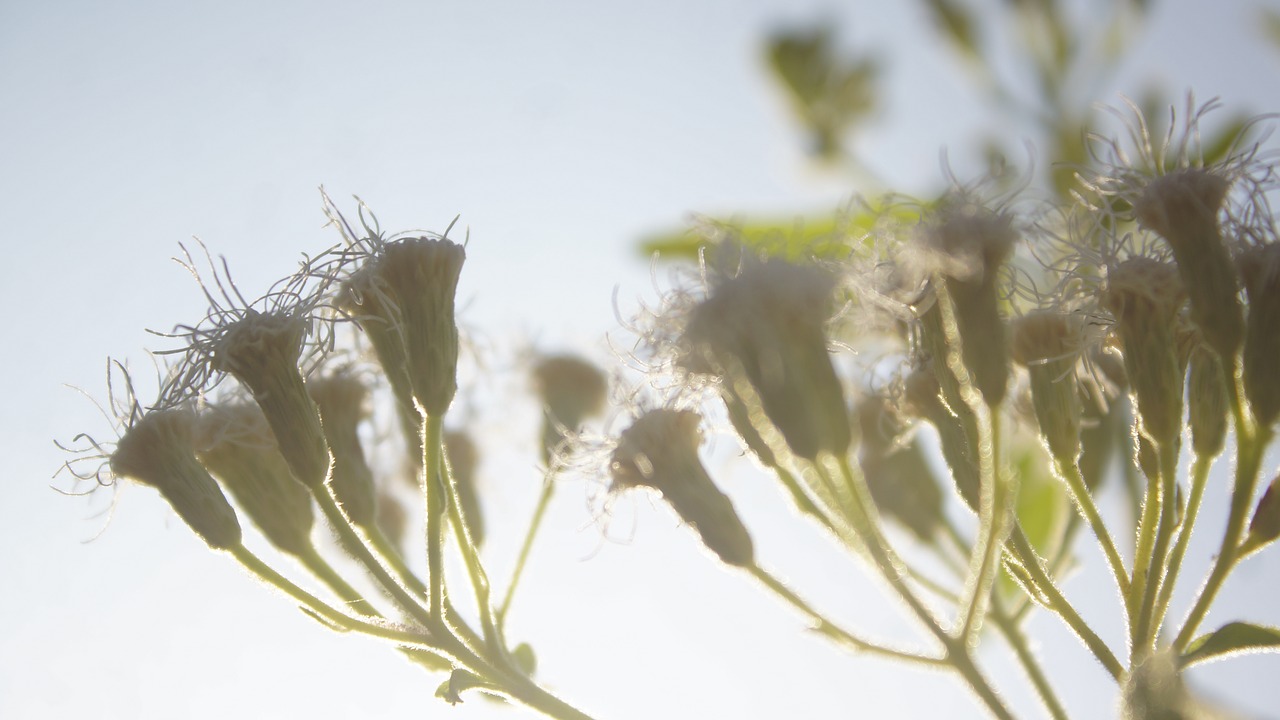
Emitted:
pixel 1271 25
pixel 1216 148
pixel 1231 639
pixel 827 236
pixel 829 94
pixel 956 23
pixel 1042 502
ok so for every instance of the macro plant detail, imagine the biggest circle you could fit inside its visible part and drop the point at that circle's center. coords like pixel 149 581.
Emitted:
pixel 1008 339
pixel 944 389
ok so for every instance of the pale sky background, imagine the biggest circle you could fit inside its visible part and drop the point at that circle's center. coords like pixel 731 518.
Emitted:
pixel 561 133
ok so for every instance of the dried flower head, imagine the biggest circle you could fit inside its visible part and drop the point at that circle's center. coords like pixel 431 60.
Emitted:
pixel 341 398
pixel 1167 187
pixel 402 293
pixel 268 345
pixel 1144 296
pixel 571 390
pixel 660 451
pixel 1260 268
pixel 964 244
pixel 237 446
pixel 156 447
pixel 767 324
pixel 1049 344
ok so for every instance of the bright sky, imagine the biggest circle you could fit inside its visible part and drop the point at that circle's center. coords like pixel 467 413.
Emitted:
pixel 561 133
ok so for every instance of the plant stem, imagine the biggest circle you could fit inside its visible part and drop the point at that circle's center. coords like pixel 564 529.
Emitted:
pixel 540 510
pixel 1148 625
pixel 268 575
pixel 1199 480
pixel 984 561
pixel 1251 441
pixel 1005 623
pixel 434 491
pixel 1031 561
pixel 323 571
pixel 829 628
pixel 357 546
pixel 1070 473
pixel 957 652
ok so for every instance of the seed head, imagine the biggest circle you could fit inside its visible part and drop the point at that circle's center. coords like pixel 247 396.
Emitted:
pixel 767 325
pixel 967 244
pixel 157 450
pixel 571 390
pixel 1144 296
pixel 1048 343
pixel 237 446
pixel 1183 208
pixel 340 398
pixel 420 275
pixel 1260 268
pixel 660 451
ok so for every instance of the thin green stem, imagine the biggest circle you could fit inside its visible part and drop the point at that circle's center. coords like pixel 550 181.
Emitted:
pixel 1199 480
pixel 356 545
pixel 886 562
pixel 387 551
pixel 1070 473
pixel 984 561
pixel 535 523
pixel 321 568
pixel 471 559
pixel 1142 554
pixel 1148 625
pixel 1008 628
pixel 1251 441
pixel 324 572
pixel 1030 560
pixel 436 502
pixel 830 629
pixel 323 610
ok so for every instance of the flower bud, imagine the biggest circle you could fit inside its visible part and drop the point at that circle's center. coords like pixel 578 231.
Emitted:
pixel 898 475
pixel 660 451
pixel 340 397
pixel 571 390
pixel 1144 296
pixel 238 447
pixel 1260 268
pixel 1047 343
pixel 970 243
pixel 262 351
pixel 1182 207
pixel 924 399
pixel 766 324
pixel 1207 402
pixel 1265 525
pixel 421 276
pixel 157 450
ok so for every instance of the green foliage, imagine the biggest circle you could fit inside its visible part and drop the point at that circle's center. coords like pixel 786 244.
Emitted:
pixel 1231 639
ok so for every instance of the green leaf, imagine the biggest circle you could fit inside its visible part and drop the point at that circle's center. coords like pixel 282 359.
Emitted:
pixel 459 681
pixel 1224 141
pixel 1042 503
pixel 525 658
pixel 956 23
pixel 1231 639
pixel 825 236
pixel 1271 25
